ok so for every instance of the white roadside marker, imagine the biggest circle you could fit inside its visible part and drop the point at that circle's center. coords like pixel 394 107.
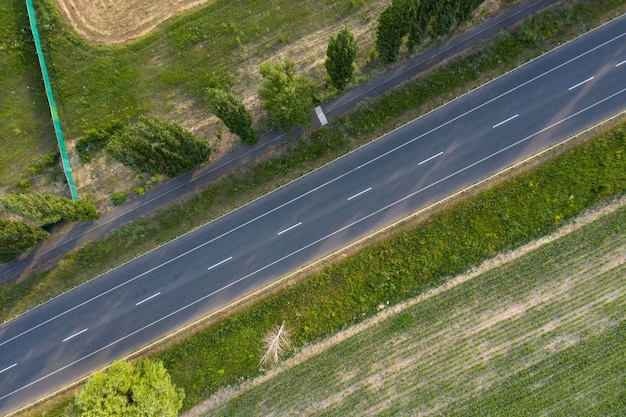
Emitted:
pixel 321 116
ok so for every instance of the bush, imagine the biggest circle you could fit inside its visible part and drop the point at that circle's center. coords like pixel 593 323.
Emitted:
pixel 16 237
pixel 233 114
pixel 156 147
pixel 287 97
pixel 47 208
pixel 97 139
pixel 119 198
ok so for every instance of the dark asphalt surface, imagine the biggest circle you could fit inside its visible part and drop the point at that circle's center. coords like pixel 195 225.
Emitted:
pixel 490 128
pixel 55 247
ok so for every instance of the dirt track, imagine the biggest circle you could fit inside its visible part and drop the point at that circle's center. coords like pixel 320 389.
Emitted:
pixel 117 21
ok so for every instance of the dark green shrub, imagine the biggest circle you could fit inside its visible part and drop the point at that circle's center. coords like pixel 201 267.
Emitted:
pixel 156 147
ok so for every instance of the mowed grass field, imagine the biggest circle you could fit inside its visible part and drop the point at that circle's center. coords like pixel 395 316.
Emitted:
pixel 544 334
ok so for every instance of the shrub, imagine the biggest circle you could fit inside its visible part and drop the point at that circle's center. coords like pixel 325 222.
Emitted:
pixel 158 147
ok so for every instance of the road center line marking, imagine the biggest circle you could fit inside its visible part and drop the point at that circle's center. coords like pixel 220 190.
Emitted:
pixel 358 194
pixel 201 299
pixel 580 83
pixel 220 262
pixel 431 158
pixel 8 367
pixel 504 121
pixel 314 189
pixel 149 298
pixel 289 228
pixel 74 335
pixel 620 63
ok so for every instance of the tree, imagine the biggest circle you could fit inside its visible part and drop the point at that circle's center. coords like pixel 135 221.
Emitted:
pixel 443 19
pixel 287 97
pixel 416 17
pixel 47 208
pixel 145 390
pixel 158 147
pixel 389 33
pixel 233 114
pixel 340 55
pixel 16 237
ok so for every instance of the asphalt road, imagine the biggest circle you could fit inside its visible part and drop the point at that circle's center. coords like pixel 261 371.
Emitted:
pixel 456 145
pixel 83 232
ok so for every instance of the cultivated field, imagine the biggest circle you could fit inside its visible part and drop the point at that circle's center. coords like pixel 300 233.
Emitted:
pixel 544 334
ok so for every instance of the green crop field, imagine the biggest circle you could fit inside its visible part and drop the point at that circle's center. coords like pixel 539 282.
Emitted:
pixel 542 335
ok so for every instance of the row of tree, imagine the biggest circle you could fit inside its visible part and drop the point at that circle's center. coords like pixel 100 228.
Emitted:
pixel 416 19
pixel 17 236
pixel 287 97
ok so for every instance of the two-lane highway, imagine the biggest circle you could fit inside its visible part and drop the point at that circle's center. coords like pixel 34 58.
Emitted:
pixel 454 146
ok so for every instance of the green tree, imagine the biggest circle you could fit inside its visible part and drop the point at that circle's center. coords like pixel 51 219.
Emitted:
pixel 16 237
pixel 157 147
pixel 233 114
pixel 416 21
pixel 340 55
pixel 444 17
pixel 47 208
pixel 389 33
pixel 145 390
pixel 287 97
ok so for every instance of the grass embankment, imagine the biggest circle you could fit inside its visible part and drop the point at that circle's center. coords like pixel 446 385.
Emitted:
pixel 542 335
pixel 27 131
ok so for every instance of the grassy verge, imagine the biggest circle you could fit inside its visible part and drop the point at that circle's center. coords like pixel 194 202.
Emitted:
pixel 348 132
pixel 507 342
pixel 27 131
